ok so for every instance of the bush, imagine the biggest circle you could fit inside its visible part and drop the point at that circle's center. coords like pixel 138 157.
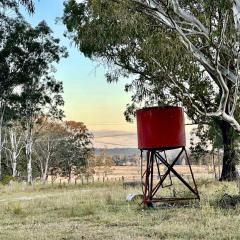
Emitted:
pixel 6 179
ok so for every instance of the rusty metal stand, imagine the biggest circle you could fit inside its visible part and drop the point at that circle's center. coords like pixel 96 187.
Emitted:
pixel 150 188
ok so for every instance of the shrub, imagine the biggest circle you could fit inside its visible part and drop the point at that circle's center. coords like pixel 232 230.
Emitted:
pixel 6 179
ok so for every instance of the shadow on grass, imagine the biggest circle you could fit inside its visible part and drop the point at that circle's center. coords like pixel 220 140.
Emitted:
pixel 227 201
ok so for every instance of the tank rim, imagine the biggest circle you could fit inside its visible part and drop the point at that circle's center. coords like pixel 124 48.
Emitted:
pixel 156 107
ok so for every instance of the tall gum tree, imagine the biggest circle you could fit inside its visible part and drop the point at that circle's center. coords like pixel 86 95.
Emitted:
pixel 9 12
pixel 213 40
pixel 181 52
pixel 39 96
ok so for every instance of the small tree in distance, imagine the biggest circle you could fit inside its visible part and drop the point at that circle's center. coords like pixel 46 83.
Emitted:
pixel 74 150
pixel 46 145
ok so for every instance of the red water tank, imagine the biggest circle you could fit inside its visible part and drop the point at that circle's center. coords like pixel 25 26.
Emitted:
pixel 161 128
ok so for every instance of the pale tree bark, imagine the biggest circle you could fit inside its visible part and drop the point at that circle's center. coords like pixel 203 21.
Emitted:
pixel 30 126
pixel 28 149
pixel 46 167
pixel 15 148
pixel 44 162
pixel 45 172
pixel 187 25
pixel 216 52
pixel 45 148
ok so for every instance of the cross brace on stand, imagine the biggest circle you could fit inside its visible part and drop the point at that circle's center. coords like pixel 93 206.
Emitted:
pixel 150 188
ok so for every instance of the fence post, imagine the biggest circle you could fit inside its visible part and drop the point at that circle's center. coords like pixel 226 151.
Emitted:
pixel 82 179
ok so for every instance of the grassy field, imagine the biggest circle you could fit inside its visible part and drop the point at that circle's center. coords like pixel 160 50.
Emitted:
pixel 99 211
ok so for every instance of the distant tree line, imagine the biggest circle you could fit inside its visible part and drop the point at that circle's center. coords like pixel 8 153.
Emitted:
pixel 58 148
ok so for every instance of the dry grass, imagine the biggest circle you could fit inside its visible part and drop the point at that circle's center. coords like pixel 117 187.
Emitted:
pixel 101 212
pixel 128 172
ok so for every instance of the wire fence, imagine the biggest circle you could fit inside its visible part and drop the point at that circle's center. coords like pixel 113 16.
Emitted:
pixel 200 171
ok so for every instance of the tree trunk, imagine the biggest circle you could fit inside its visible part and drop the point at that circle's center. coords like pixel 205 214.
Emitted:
pixel 47 161
pixel 2 106
pixel 41 169
pixel 13 141
pixel 29 154
pixel 69 174
pixel 45 173
pixel 29 171
pixel 229 154
pixel 1 164
pixel 1 148
pixel 14 165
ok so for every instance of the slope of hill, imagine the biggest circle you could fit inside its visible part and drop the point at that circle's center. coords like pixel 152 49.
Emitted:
pixel 118 151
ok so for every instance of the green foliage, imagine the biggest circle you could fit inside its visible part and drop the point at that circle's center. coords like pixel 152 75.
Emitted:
pixel 31 53
pixel 14 5
pixel 29 93
pixel 6 179
pixel 74 149
pixel 131 43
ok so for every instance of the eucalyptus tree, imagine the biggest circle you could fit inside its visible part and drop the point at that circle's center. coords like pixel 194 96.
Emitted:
pixel 183 53
pixel 10 74
pixel 14 144
pixel 75 149
pixel 9 77
pixel 13 5
pixel 9 10
pixel 47 145
pixel 209 31
pixel 34 52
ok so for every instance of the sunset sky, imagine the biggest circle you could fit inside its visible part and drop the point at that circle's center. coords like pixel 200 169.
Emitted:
pixel 88 97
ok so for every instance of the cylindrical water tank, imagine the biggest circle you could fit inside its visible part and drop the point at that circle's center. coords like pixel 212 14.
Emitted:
pixel 160 128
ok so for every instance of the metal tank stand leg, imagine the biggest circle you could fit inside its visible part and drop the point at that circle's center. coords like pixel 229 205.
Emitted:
pixel 151 187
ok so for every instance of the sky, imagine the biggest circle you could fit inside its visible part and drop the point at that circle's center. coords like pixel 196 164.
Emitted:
pixel 88 97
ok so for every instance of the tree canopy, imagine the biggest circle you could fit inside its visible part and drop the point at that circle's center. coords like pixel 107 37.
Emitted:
pixel 131 43
pixel 180 53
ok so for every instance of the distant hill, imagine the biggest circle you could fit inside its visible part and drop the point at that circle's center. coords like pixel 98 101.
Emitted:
pixel 127 154
pixel 131 151
pixel 118 151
